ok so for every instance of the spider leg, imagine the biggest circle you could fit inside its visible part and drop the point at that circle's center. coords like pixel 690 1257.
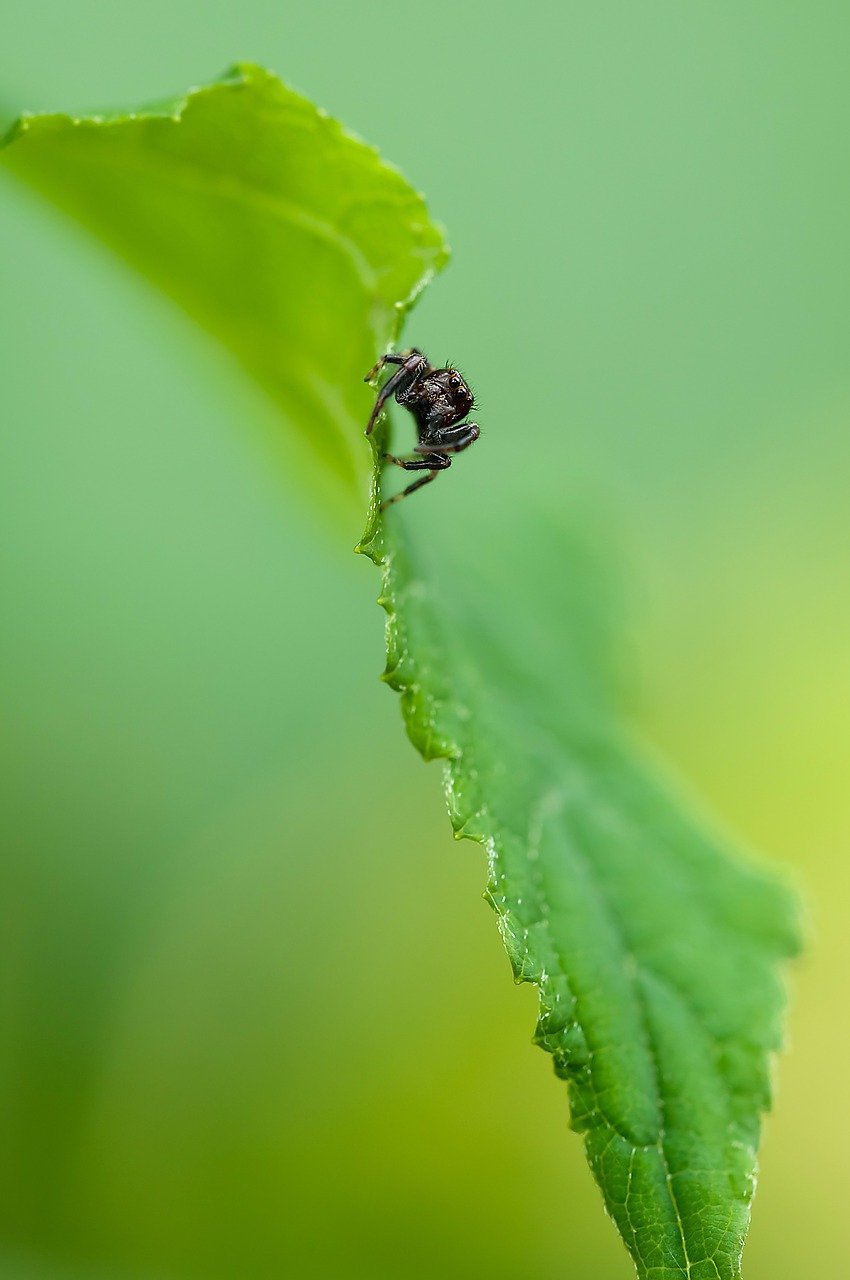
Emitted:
pixel 454 440
pixel 433 465
pixel 436 462
pixel 411 367
pixel 411 488
pixel 398 382
pixel 390 358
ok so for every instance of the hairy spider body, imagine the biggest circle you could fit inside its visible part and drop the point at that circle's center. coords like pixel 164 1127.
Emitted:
pixel 438 399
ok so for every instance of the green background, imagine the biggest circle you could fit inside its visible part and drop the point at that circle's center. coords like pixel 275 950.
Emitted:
pixel 256 1017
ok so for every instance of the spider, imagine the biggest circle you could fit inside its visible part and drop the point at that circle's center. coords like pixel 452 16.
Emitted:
pixel 438 400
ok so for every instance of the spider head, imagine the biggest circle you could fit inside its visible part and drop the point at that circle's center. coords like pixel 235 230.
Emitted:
pixel 455 390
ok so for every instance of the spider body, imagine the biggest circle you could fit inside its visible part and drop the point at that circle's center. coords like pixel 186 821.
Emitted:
pixel 439 400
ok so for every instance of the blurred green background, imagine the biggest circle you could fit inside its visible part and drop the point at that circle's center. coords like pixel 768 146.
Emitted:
pixel 215 921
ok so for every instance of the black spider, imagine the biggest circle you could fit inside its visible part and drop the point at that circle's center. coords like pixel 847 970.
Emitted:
pixel 438 399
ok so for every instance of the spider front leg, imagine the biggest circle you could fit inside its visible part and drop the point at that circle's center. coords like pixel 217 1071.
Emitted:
pixel 390 358
pixel 412 364
pixel 433 465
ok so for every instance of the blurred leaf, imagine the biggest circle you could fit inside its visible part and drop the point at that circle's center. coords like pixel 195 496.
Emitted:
pixel 283 235
pixel 654 947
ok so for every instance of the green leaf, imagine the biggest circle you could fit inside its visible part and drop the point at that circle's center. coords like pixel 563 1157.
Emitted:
pixel 282 234
pixel 654 946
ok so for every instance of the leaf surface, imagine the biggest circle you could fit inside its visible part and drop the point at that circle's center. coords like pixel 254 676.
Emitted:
pixel 654 946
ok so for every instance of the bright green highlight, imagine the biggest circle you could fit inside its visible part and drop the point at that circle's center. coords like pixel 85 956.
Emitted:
pixel 655 949
pixel 224 199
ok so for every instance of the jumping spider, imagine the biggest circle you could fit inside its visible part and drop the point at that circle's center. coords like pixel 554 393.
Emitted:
pixel 438 400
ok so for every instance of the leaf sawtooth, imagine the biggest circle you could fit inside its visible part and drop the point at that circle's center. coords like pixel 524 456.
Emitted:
pixel 654 946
